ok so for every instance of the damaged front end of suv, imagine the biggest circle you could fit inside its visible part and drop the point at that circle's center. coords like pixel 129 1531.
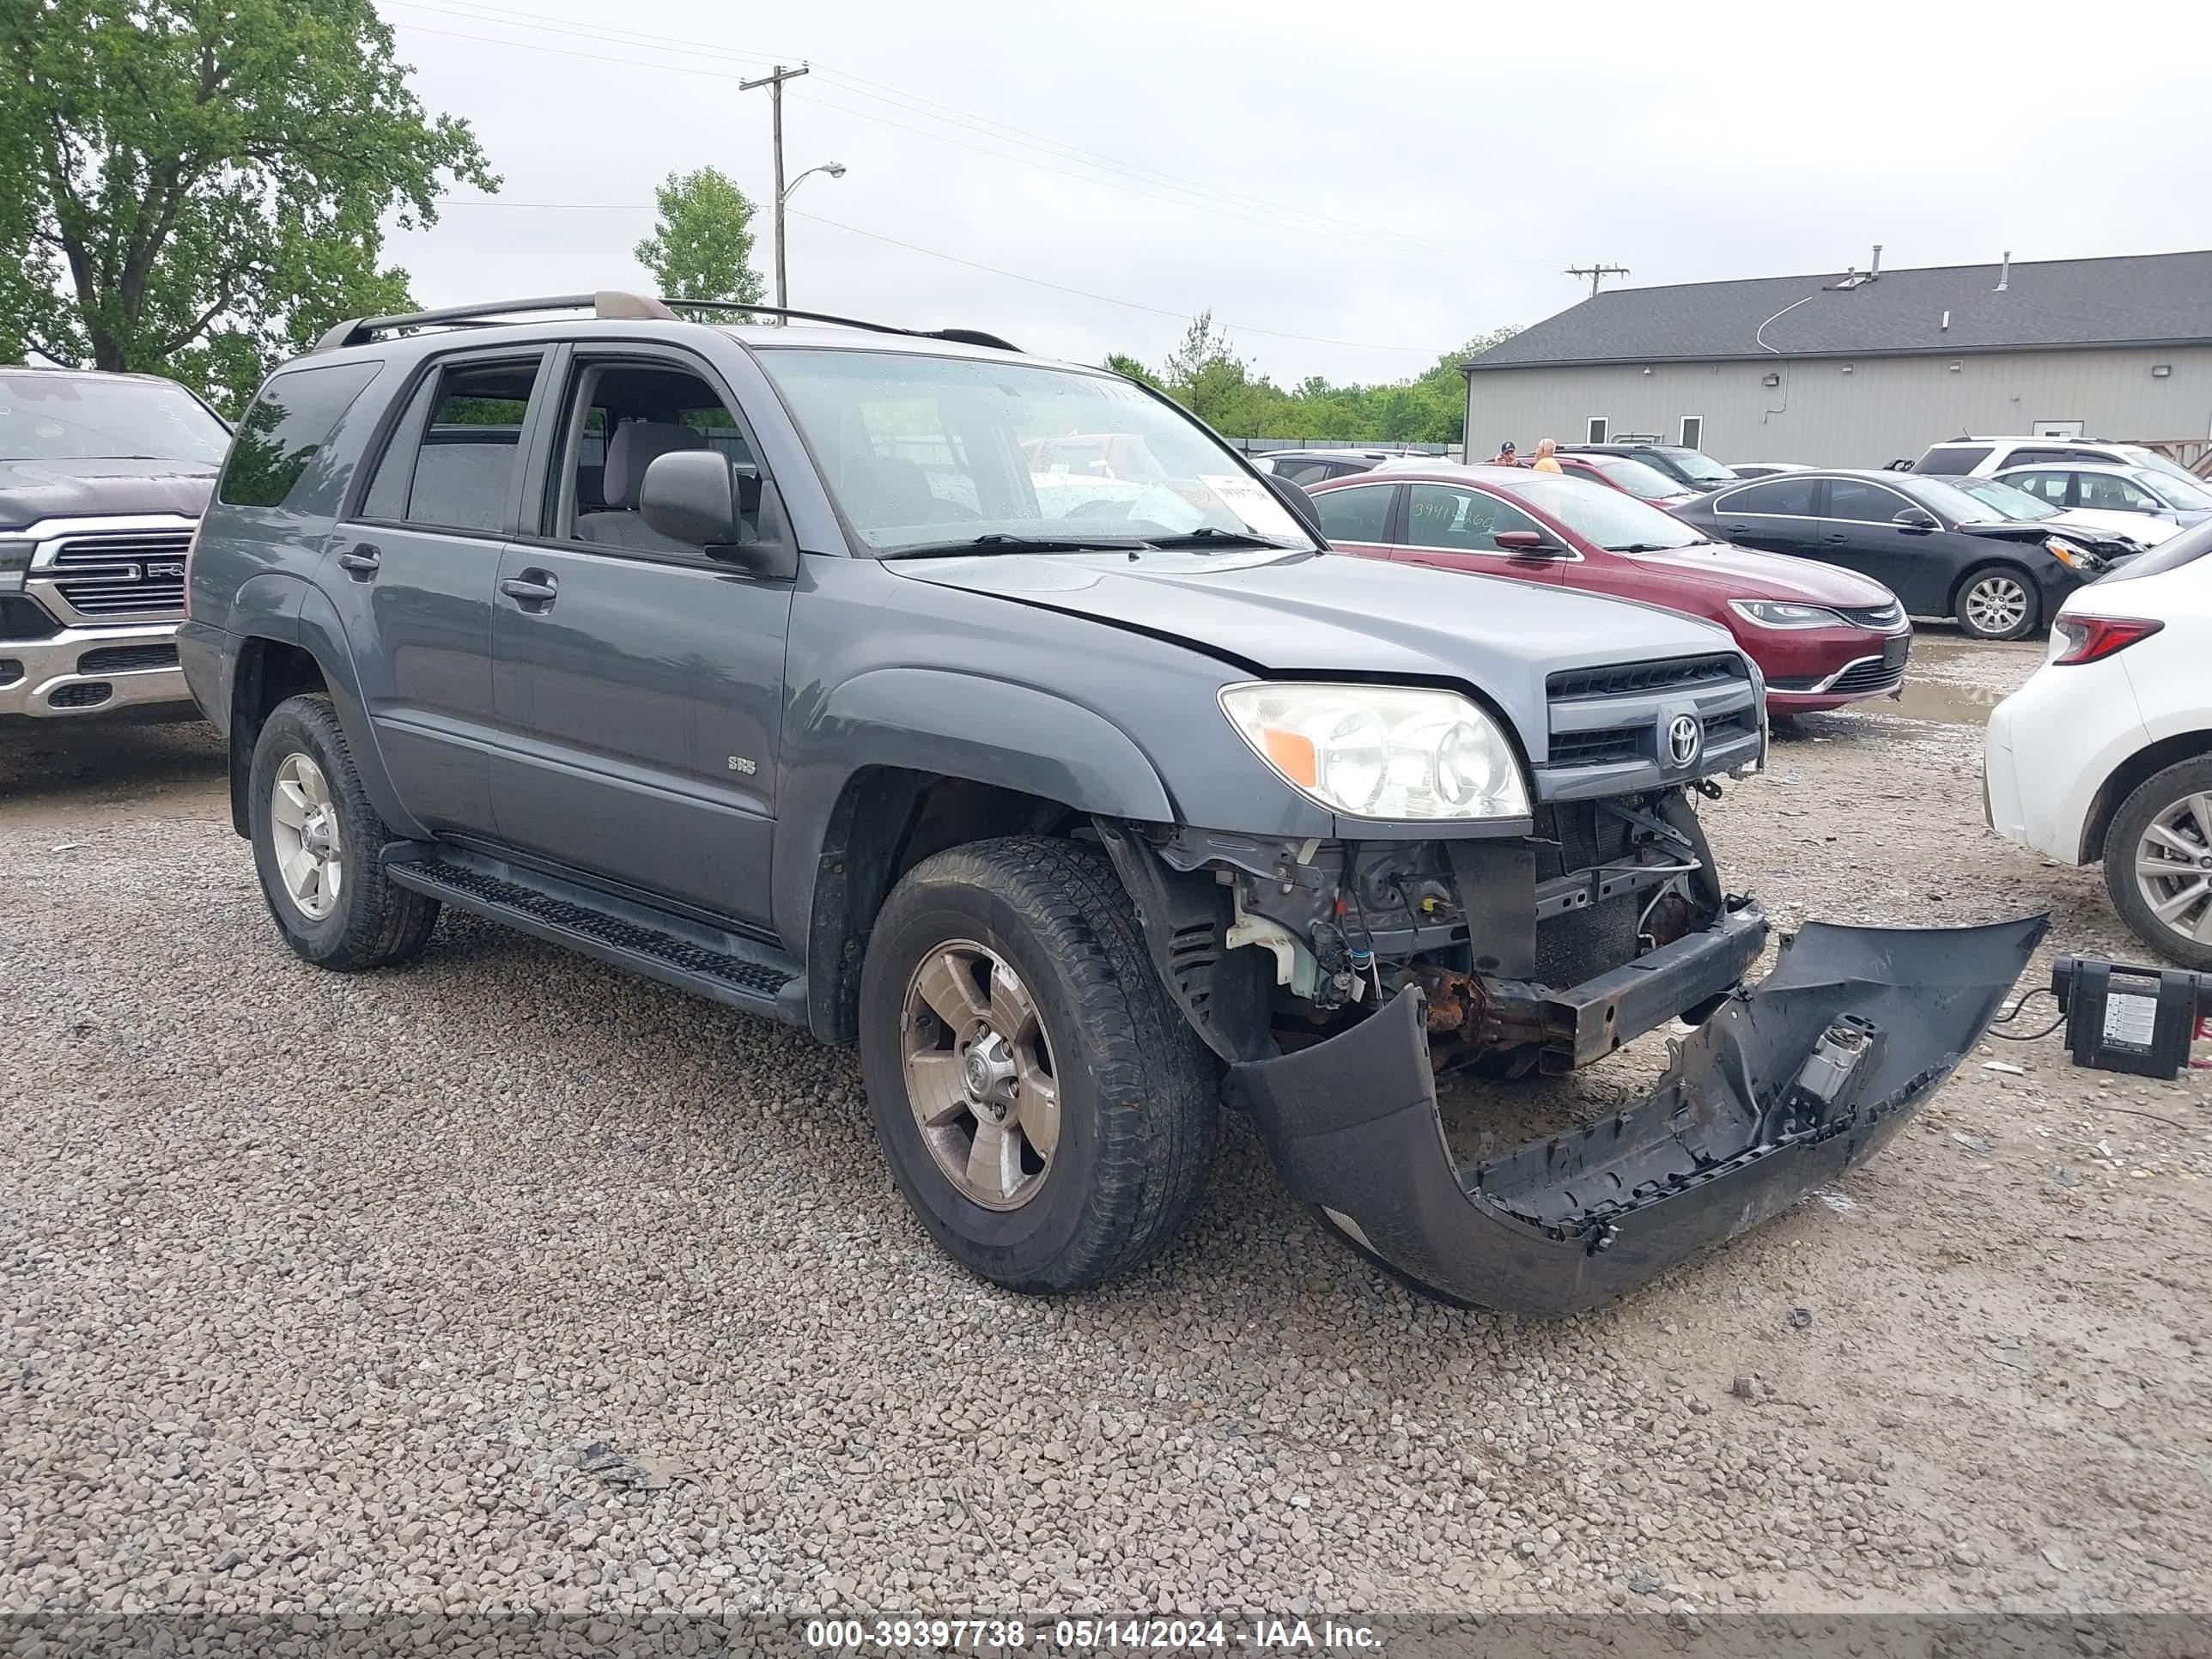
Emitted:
pixel 1339 976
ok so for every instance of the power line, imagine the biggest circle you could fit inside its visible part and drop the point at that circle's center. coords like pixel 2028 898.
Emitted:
pixel 953 259
pixel 1596 274
pixel 1226 203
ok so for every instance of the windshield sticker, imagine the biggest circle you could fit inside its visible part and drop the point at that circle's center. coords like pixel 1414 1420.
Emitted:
pixel 1252 502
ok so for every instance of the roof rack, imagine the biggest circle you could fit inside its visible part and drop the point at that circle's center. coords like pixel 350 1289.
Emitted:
pixel 611 304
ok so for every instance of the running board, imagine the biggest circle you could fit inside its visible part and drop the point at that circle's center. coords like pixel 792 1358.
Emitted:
pixel 708 962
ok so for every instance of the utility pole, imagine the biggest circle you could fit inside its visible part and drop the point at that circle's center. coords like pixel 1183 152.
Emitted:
pixel 1595 273
pixel 774 85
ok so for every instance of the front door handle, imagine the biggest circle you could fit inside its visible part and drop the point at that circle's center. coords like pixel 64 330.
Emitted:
pixel 534 590
pixel 1837 538
pixel 361 562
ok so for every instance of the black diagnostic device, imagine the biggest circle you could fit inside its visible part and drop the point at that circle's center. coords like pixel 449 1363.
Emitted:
pixel 2120 1018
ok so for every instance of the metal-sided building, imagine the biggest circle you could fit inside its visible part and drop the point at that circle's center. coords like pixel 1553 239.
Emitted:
pixel 1861 368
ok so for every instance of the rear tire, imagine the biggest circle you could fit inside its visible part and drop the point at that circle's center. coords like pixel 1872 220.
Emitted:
pixel 317 846
pixel 2165 820
pixel 1999 602
pixel 1053 1125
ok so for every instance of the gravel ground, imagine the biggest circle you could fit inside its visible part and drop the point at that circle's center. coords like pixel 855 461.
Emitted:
pixel 508 1282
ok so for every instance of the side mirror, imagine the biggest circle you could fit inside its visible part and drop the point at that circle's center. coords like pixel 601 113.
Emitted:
pixel 1528 544
pixel 696 495
pixel 1916 518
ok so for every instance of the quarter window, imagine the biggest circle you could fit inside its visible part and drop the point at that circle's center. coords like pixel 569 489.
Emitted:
pixel 1785 498
pixel 1355 514
pixel 1459 520
pixel 1952 459
pixel 1861 503
pixel 285 429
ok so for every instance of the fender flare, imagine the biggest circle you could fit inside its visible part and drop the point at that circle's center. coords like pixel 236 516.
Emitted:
pixel 316 628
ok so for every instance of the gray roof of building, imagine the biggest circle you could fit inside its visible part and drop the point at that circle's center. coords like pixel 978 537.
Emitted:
pixel 2163 299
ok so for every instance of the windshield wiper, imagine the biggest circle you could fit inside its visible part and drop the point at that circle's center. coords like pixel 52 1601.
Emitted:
pixel 1210 536
pixel 1652 547
pixel 998 543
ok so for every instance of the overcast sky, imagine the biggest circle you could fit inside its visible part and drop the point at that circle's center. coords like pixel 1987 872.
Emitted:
pixel 1370 177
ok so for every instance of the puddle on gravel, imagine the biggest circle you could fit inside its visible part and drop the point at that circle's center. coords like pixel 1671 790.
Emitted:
pixel 1955 681
pixel 1946 702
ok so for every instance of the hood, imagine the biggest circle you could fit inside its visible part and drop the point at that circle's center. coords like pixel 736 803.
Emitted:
pixel 2138 527
pixel 32 490
pixel 1738 573
pixel 1327 615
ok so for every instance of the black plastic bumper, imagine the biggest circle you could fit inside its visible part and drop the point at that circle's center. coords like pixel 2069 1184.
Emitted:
pixel 1792 1082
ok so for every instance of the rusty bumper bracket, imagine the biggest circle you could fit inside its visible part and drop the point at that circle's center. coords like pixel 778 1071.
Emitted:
pixel 1793 1081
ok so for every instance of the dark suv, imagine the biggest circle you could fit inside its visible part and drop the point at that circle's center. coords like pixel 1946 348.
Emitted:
pixel 102 477
pixel 1693 469
pixel 760 661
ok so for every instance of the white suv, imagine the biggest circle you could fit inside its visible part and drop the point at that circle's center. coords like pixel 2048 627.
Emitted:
pixel 1985 458
pixel 2106 752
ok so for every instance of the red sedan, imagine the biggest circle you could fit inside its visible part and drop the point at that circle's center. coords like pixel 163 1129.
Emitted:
pixel 1624 473
pixel 1823 637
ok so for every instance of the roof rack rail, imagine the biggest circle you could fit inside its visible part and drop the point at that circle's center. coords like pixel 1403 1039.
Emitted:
pixel 614 306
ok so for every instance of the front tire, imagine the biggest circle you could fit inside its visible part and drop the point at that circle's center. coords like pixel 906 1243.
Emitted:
pixel 1999 602
pixel 317 846
pixel 2158 862
pixel 1044 1107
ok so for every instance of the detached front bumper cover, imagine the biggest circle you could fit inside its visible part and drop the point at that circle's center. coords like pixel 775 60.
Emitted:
pixel 1790 1083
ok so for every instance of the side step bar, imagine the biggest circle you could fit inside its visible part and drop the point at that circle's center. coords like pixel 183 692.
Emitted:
pixel 708 962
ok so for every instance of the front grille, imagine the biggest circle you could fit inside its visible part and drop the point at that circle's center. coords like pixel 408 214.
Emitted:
pixel 1872 615
pixel 89 694
pixel 1726 728
pixel 1630 678
pixel 1872 675
pixel 126 658
pixel 1621 743
pixel 123 574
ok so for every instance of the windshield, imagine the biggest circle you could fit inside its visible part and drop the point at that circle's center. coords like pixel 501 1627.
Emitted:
pixel 2158 463
pixel 1697 465
pixel 925 452
pixel 1954 503
pixel 1639 479
pixel 46 416
pixel 1604 516
pixel 2011 502
pixel 2185 492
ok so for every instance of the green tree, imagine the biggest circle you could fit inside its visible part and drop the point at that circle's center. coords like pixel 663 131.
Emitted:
pixel 1127 367
pixel 702 246
pixel 197 186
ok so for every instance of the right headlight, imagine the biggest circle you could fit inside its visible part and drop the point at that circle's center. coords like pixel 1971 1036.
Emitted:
pixel 1395 753
pixel 14 561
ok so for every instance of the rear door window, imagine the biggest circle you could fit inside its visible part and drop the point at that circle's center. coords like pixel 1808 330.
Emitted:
pixel 2049 487
pixel 1354 514
pixel 1954 459
pixel 451 463
pixel 279 440
pixel 1786 498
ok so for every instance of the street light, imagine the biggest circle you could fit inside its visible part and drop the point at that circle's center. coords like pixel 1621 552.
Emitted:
pixel 835 170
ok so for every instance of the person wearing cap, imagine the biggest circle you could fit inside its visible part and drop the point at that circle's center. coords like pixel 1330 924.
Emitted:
pixel 1506 456
pixel 1544 463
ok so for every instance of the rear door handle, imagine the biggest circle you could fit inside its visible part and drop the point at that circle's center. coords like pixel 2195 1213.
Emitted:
pixel 1838 537
pixel 1739 530
pixel 534 590
pixel 361 560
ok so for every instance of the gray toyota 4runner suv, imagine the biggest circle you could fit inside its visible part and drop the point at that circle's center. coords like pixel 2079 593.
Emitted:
pixel 102 477
pixel 760 661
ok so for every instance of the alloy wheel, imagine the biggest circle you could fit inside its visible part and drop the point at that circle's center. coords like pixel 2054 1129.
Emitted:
pixel 1996 605
pixel 2173 867
pixel 303 829
pixel 979 1075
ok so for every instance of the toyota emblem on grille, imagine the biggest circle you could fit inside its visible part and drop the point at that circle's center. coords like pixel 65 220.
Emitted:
pixel 1684 738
